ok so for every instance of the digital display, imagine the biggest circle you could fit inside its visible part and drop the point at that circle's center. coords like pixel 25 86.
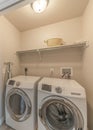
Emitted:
pixel 11 82
pixel 46 87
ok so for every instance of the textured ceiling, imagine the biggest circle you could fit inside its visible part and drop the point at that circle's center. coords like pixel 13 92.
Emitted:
pixel 58 10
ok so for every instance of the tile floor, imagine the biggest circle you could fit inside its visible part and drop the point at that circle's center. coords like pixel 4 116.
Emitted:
pixel 4 127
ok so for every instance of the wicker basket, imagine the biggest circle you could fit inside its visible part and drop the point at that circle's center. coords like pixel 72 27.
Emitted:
pixel 54 42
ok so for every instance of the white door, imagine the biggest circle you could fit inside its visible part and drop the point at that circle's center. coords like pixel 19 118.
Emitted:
pixel 18 104
pixel 58 113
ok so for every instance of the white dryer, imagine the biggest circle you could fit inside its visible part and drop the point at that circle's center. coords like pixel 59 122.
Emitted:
pixel 61 105
pixel 19 102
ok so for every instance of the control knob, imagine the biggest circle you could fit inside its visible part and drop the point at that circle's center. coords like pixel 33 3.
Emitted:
pixel 58 89
pixel 18 83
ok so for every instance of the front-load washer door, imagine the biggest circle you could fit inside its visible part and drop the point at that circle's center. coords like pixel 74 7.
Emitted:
pixel 18 104
pixel 59 113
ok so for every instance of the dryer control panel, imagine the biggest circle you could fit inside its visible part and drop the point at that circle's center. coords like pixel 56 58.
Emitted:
pixel 46 87
pixel 50 88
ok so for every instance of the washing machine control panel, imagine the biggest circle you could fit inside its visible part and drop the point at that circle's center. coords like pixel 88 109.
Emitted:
pixel 14 83
pixel 58 89
pixel 46 87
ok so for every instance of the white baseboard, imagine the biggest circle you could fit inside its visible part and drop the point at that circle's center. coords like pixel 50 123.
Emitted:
pixel 1 120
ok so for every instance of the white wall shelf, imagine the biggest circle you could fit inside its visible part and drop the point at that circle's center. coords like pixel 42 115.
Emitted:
pixel 83 44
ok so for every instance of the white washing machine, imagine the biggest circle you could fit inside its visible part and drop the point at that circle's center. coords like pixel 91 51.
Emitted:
pixel 19 102
pixel 61 105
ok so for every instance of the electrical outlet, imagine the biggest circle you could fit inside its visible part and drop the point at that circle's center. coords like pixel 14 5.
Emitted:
pixel 51 71
pixel 64 70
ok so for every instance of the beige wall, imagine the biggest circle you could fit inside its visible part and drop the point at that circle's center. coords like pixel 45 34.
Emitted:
pixel 55 59
pixel 9 43
pixel 87 22
pixel 69 30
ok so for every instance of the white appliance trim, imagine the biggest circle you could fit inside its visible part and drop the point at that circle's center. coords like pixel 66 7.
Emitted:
pixel 1 120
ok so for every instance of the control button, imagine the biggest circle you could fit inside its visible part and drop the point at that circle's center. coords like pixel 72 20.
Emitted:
pixel 58 89
pixel 17 83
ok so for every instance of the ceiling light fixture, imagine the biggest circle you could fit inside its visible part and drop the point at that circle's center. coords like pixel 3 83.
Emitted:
pixel 39 5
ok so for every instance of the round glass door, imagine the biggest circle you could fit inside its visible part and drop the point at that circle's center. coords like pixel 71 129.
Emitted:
pixel 57 113
pixel 18 104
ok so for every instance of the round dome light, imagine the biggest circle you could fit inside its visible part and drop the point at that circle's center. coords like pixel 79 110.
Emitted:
pixel 39 5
